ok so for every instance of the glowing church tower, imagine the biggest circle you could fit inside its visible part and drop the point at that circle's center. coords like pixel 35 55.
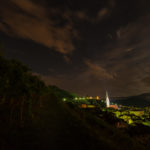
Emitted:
pixel 108 103
pixel 107 100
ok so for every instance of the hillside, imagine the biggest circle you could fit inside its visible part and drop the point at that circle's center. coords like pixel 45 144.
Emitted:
pixel 33 116
pixel 142 100
pixel 58 126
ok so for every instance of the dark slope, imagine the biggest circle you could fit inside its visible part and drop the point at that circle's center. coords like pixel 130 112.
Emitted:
pixel 60 92
pixel 58 126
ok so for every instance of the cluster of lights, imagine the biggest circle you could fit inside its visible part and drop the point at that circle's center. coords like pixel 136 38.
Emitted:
pixel 80 98
pixel 83 98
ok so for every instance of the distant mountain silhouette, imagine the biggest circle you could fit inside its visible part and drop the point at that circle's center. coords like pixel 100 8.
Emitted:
pixel 142 100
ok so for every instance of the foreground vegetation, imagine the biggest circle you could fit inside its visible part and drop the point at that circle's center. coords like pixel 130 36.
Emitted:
pixel 33 116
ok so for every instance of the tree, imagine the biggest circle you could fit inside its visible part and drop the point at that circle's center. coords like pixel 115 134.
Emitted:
pixel 19 88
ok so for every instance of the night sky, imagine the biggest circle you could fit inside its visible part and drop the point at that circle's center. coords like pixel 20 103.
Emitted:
pixel 84 46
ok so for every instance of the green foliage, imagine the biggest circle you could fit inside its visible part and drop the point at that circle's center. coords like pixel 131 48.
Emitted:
pixel 60 93
pixel 19 89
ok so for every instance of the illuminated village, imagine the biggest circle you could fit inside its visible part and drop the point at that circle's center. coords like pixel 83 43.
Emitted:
pixel 127 115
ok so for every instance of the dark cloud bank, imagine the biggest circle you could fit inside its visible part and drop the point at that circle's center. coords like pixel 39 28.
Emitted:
pixel 120 64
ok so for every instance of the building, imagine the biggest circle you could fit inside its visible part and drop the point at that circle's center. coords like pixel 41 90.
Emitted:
pixel 108 105
pixel 87 106
pixel 107 100
pixel 113 106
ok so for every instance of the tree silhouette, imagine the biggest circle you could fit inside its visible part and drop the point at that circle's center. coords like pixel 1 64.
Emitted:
pixel 19 88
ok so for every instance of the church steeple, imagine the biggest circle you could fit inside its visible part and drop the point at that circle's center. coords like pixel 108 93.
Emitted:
pixel 107 100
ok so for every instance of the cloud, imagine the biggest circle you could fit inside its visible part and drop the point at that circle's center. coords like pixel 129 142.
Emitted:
pixel 98 71
pixel 29 20
pixel 30 7
pixel 103 13
pixel 106 12
pixel 64 81
pixel 88 80
pixel 3 28
pixel 80 83
pixel 112 3
pixel 82 15
pixel 122 67
pixel 51 80
pixel 67 59
pixel 128 56
pixel 146 80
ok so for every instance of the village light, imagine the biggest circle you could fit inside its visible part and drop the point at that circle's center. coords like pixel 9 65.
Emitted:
pixel 76 98
pixel 97 97
pixel 64 99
